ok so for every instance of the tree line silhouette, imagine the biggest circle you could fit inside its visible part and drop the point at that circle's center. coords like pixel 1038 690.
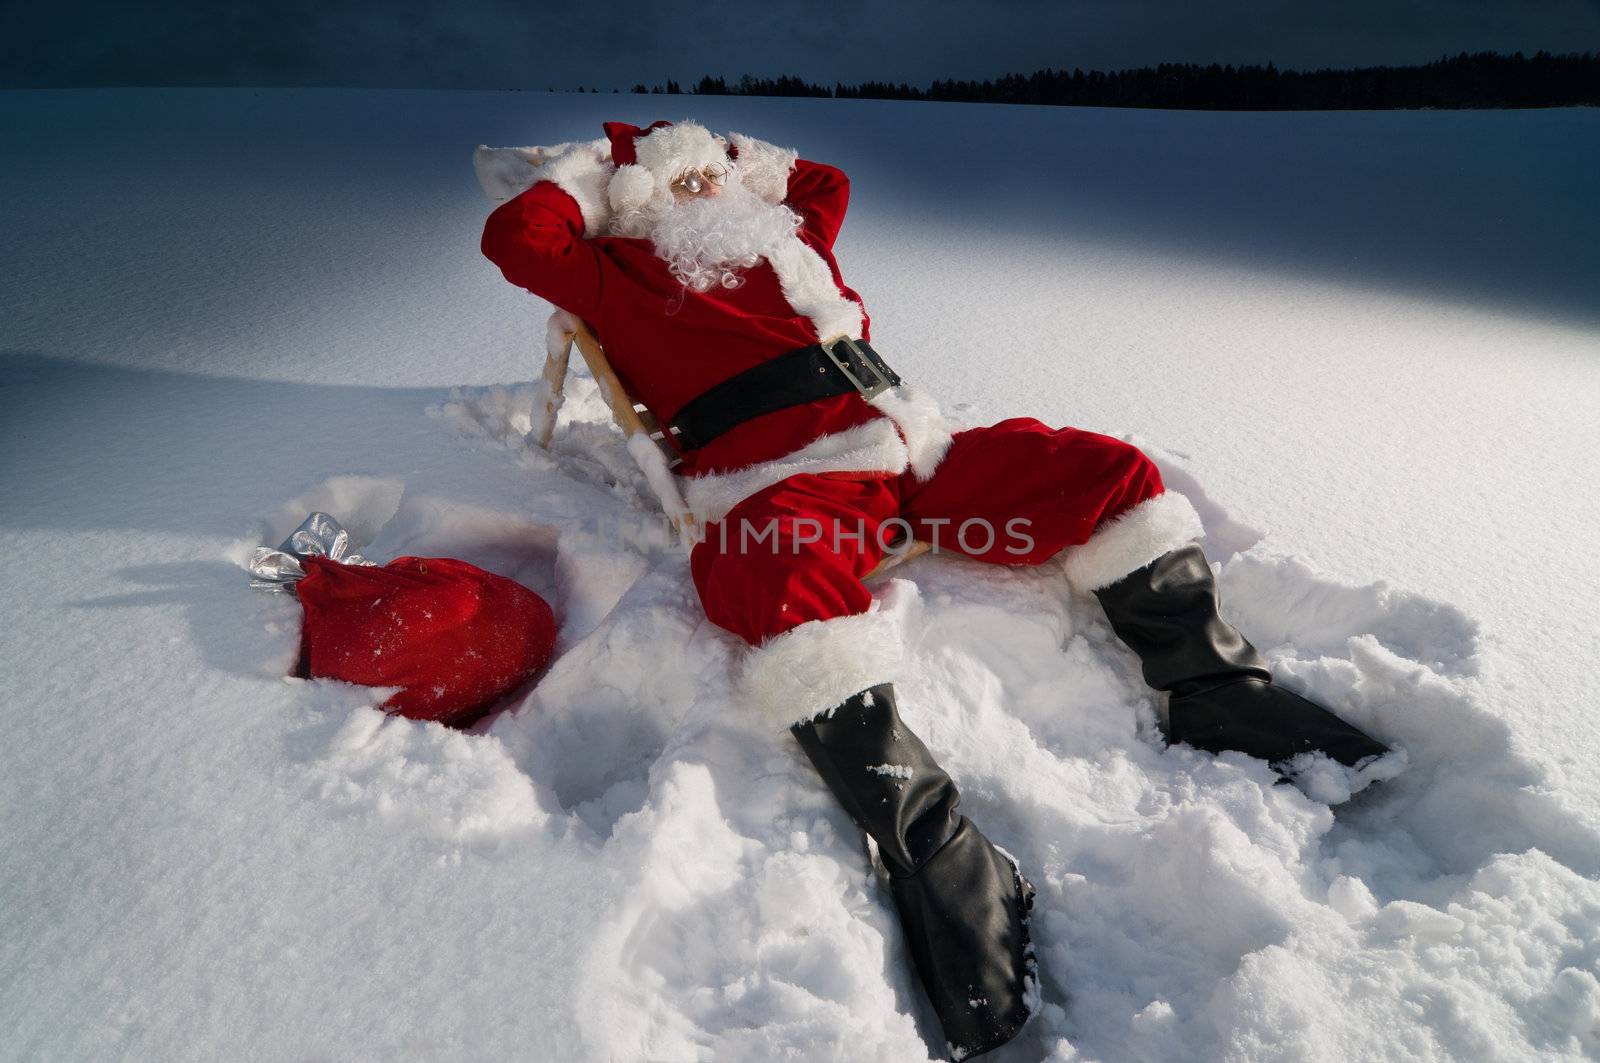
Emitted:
pixel 1482 79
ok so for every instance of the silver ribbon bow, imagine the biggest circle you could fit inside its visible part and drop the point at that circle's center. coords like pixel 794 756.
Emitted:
pixel 319 535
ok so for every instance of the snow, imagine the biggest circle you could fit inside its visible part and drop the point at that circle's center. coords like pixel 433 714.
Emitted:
pixel 1364 344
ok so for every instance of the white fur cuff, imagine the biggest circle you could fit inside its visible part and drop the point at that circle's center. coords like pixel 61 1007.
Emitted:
pixel 1132 540
pixel 631 187
pixel 812 669
pixel 584 174
pixel 506 172
pixel 764 168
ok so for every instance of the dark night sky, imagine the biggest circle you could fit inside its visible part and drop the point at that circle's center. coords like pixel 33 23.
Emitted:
pixel 614 43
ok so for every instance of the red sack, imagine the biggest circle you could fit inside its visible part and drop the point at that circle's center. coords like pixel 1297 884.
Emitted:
pixel 457 639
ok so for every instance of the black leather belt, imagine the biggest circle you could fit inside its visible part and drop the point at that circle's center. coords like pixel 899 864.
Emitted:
pixel 792 379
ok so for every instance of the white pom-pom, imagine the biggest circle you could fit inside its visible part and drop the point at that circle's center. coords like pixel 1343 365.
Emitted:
pixel 631 187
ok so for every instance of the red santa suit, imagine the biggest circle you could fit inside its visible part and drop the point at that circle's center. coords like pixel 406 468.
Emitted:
pixel 839 463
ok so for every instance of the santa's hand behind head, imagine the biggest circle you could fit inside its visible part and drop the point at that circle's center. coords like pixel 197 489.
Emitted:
pixel 763 168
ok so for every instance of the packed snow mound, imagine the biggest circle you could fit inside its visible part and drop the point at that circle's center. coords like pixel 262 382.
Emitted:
pixel 1189 906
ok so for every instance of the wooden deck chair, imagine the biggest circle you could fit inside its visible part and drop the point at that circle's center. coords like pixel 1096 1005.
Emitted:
pixel 646 438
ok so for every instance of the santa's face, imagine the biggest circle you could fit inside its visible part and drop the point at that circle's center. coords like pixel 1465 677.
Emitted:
pixel 680 193
pixel 706 181
pixel 709 236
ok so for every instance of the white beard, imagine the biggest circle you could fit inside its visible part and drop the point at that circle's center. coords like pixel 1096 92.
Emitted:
pixel 708 241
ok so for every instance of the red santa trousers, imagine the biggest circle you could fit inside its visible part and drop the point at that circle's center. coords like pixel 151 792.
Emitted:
pixel 788 561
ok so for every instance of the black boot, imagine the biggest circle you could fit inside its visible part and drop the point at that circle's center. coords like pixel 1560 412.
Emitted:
pixel 1222 694
pixel 962 904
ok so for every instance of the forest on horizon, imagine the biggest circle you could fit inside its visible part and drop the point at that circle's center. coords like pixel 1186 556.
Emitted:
pixel 1477 80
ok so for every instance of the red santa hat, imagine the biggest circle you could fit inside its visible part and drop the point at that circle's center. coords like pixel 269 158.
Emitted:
pixel 648 160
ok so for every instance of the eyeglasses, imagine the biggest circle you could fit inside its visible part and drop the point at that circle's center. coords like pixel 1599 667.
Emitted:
pixel 693 181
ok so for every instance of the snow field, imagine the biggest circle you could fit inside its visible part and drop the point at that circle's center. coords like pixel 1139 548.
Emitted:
pixel 1362 344
pixel 1189 906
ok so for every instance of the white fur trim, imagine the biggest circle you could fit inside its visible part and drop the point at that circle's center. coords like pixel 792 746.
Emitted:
pixel 926 430
pixel 871 447
pixel 764 168
pixel 631 187
pixel 809 287
pixel 668 151
pixel 581 168
pixel 505 173
pixel 583 172
pixel 1132 540
pixel 913 433
pixel 810 670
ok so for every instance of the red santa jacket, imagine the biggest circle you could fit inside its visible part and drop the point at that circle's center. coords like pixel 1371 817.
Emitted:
pixel 668 344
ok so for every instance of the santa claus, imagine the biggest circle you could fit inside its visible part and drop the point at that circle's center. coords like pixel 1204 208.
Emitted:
pixel 705 267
